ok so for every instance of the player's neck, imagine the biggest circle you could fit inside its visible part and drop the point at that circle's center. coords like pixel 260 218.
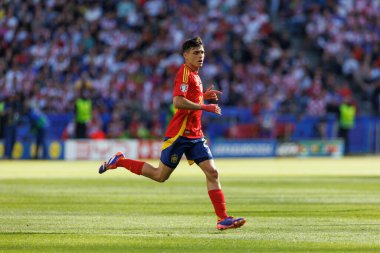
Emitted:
pixel 192 67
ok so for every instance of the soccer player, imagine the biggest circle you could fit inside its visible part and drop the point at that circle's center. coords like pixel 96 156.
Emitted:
pixel 184 134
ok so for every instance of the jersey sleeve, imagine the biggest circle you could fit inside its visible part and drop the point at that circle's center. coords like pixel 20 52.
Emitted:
pixel 181 83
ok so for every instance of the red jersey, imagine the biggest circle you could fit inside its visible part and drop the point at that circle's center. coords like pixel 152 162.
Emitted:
pixel 187 123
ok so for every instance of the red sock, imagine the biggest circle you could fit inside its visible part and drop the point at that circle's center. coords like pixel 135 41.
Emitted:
pixel 131 165
pixel 219 203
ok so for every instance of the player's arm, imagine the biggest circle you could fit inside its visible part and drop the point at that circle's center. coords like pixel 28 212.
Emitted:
pixel 181 102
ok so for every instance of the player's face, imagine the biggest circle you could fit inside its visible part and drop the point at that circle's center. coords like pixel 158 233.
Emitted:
pixel 195 57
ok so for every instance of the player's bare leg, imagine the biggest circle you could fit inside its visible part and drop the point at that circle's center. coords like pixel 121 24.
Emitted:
pixel 212 174
pixel 217 197
pixel 159 174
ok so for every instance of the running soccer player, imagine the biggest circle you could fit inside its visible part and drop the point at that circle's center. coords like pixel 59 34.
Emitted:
pixel 184 134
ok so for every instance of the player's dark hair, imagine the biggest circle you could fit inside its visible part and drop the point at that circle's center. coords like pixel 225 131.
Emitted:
pixel 191 43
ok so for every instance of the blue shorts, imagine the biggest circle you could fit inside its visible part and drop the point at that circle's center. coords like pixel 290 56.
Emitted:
pixel 196 150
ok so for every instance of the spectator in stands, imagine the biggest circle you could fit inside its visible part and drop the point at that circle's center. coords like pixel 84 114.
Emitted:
pixel 317 105
pixel 39 125
pixel 2 117
pixel 320 131
pixel 376 98
pixel 95 126
pixel 116 127
pixel 13 110
pixel 267 119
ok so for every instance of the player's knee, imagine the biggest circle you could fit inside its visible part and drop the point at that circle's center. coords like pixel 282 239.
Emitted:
pixel 214 174
pixel 162 178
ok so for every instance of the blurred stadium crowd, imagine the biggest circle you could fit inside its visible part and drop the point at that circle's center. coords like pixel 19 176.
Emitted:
pixel 285 57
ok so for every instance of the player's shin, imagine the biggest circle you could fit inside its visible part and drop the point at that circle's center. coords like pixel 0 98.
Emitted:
pixel 133 166
pixel 219 203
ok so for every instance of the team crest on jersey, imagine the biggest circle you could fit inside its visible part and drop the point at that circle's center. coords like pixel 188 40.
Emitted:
pixel 183 87
pixel 174 158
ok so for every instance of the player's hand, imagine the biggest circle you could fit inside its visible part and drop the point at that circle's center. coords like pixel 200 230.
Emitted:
pixel 214 108
pixel 211 94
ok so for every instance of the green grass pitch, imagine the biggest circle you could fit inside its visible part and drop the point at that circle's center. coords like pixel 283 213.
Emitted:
pixel 291 205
